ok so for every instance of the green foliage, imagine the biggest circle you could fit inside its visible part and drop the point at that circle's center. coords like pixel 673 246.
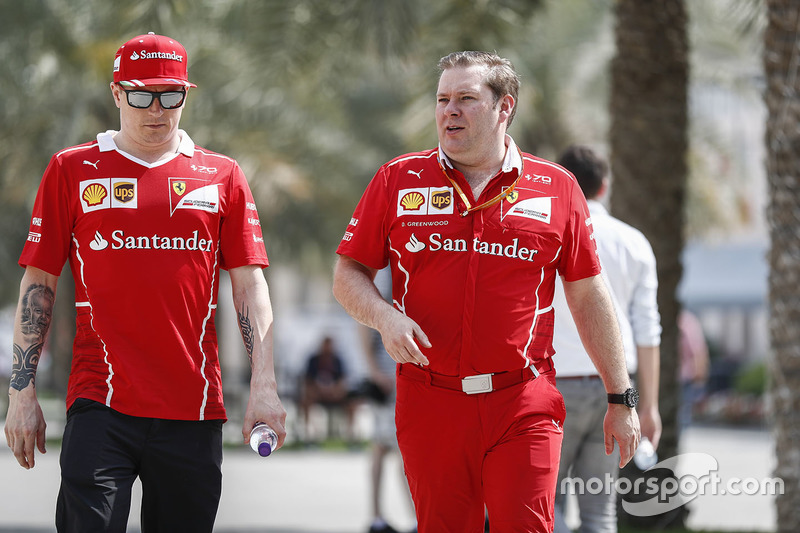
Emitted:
pixel 752 379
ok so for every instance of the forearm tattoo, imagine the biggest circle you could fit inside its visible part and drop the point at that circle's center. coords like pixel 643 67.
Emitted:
pixel 247 331
pixel 23 368
pixel 35 318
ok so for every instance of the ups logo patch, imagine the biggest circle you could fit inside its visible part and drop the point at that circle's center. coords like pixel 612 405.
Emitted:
pixel 124 191
pixel 441 199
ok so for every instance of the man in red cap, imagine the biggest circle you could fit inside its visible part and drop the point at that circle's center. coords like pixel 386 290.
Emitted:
pixel 146 219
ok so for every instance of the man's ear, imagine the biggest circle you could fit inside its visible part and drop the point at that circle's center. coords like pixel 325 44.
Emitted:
pixel 507 104
pixel 117 93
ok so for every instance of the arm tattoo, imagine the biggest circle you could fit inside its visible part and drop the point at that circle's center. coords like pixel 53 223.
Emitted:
pixel 247 331
pixel 23 369
pixel 35 317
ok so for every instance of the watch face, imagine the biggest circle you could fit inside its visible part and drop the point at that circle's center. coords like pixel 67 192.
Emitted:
pixel 631 397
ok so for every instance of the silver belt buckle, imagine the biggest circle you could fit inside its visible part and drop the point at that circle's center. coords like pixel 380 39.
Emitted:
pixel 478 384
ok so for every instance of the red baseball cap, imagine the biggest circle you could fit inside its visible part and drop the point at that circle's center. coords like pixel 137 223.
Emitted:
pixel 151 60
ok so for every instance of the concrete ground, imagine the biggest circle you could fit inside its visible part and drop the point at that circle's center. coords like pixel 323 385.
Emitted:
pixel 318 491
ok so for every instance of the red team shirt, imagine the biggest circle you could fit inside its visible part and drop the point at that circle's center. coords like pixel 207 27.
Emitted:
pixel 480 286
pixel 145 244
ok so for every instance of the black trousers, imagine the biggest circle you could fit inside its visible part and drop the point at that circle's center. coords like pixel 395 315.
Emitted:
pixel 103 452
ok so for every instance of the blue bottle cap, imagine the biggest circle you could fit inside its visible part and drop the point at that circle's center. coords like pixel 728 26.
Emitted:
pixel 264 449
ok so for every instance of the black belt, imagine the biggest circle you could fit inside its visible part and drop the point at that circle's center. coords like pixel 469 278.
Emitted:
pixel 480 383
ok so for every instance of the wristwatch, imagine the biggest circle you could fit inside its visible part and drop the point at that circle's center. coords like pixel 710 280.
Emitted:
pixel 629 398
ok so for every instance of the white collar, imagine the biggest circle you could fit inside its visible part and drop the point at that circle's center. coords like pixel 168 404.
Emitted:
pixel 511 161
pixel 105 142
pixel 596 207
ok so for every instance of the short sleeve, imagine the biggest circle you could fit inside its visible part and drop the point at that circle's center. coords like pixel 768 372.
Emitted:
pixel 241 237
pixel 579 257
pixel 366 236
pixel 49 236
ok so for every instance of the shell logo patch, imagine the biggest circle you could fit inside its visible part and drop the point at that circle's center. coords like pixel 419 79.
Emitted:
pixel 411 201
pixel 94 194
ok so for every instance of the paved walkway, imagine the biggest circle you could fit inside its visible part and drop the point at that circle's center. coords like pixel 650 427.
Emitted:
pixel 316 491
pixel 744 455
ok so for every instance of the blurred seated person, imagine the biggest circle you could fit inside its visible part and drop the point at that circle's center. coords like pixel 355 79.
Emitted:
pixel 694 364
pixel 324 383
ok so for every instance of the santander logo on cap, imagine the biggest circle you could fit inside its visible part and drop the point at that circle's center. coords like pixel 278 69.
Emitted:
pixel 151 60
pixel 156 55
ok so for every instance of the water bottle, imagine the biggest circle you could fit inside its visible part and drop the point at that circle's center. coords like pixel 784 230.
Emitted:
pixel 645 456
pixel 262 439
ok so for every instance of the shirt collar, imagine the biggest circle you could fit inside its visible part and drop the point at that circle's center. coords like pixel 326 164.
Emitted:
pixel 511 161
pixel 443 159
pixel 105 142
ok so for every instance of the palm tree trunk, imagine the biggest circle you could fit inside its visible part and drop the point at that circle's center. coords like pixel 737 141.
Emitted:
pixel 781 60
pixel 649 139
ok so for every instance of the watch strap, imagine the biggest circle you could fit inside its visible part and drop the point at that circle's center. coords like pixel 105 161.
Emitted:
pixel 629 398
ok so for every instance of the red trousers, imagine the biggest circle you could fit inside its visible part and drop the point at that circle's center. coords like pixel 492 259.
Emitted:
pixel 462 452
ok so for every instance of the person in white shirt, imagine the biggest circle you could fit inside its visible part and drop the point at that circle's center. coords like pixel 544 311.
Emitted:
pixel 382 369
pixel 629 270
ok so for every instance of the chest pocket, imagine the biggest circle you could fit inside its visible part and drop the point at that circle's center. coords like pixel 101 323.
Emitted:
pixel 528 223
pixel 530 211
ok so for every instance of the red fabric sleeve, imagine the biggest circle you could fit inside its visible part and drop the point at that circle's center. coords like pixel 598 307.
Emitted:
pixel 49 238
pixel 366 238
pixel 579 259
pixel 241 237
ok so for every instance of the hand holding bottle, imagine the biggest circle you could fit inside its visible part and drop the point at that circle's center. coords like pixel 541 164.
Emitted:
pixel 263 439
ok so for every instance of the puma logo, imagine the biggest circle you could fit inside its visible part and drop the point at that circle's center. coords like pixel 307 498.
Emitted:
pixel 85 162
pixel 417 174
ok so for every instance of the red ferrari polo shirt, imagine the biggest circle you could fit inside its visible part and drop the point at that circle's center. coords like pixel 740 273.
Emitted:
pixel 480 286
pixel 145 244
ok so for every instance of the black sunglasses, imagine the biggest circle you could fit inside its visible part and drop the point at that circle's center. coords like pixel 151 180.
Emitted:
pixel 144 99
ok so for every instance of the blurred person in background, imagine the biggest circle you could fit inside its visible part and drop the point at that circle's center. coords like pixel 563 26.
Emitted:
pixel 629 270
pixel 324 383
pixel 475 232
pixel 695 364
pixel 380 391
pixel 146 219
